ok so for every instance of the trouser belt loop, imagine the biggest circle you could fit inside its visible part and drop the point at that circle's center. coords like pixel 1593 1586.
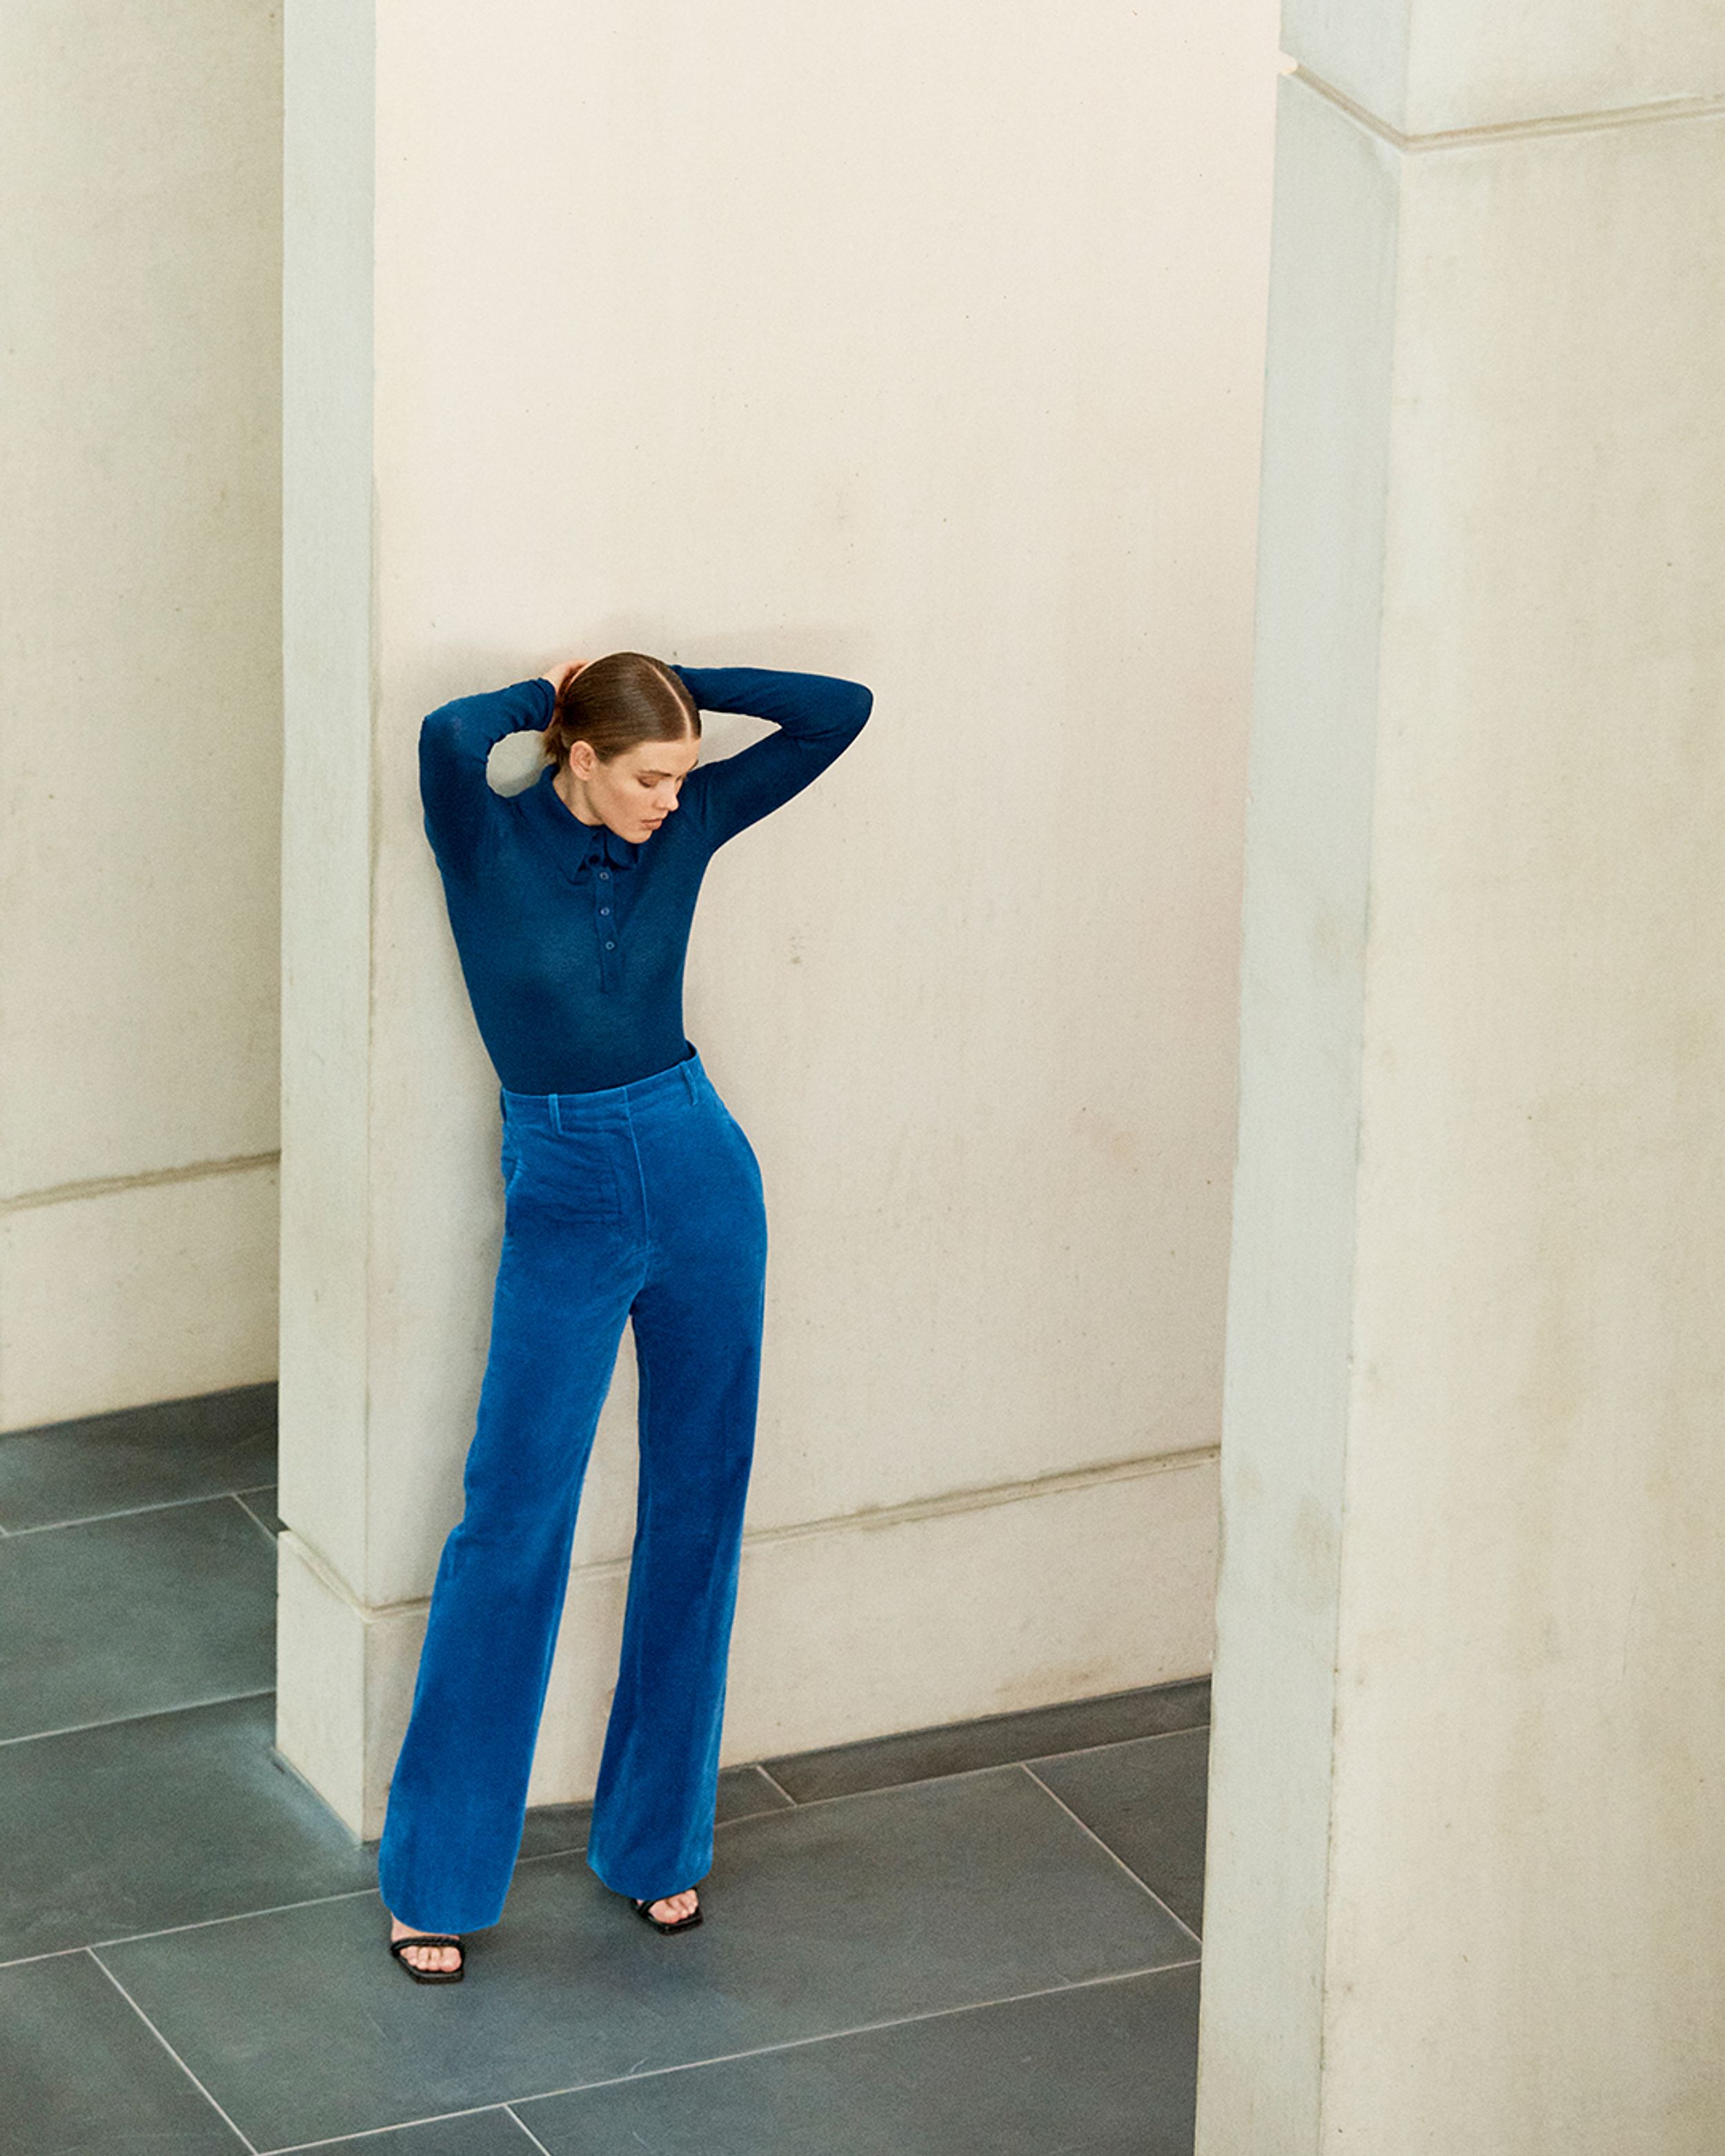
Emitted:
pixel 557 1115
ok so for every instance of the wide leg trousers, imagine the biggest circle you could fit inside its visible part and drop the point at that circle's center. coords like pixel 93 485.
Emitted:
pixel 643 1201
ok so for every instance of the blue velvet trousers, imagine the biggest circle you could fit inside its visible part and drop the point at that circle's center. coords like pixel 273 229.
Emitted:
pixel 643 1201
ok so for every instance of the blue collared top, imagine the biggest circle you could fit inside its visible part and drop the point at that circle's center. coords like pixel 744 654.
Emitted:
pixel 572 939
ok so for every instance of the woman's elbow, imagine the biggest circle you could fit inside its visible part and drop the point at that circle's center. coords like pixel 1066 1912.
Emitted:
pixel 437 729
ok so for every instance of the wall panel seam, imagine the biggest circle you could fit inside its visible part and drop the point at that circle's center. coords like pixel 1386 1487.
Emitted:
pixel 1512 131
pixel 945 1506
pixel 104 1186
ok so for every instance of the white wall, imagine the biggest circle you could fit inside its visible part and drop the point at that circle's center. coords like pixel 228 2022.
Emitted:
pixel 901 343
pixel 140 701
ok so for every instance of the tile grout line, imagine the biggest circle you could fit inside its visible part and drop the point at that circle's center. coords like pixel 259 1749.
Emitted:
pixel 526 2128
pixel 1142 1884
pixel 209 1923
pixel 774 1780
pixel 400 2126
pixel 49 1954
pixel 243 2141
pixel 766 1811
pixel 1108 1743
pixel 736 1819
pixel 865 2029
pixel 575 1849
pixel 580 1848
pixel 951 1774
pixel 148 1714
pixel 1017 1759
pixel 550 1855
pixel 884 1789
pixel 730 2058
pixel 129 1512
pixel 267 1532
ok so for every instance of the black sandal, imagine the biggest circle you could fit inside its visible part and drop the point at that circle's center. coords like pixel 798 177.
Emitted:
pixel 682 1923
pixel 396 1947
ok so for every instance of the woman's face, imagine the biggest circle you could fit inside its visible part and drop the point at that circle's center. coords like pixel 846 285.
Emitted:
pixel 638 789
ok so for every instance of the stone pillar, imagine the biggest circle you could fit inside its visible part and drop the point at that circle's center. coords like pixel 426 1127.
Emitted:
pixel 869 341
pixel 139 712
pixel 1466 1891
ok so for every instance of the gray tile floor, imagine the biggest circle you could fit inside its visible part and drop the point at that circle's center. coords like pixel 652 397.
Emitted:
pixel 981 1937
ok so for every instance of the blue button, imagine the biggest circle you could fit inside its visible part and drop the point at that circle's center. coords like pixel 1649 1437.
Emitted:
pixel 605 876
pixel 610 947
pixel 604 909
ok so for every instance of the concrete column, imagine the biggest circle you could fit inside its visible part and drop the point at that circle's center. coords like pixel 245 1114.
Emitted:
pixel 140 701
pixel 1466 1891
pixel 865 340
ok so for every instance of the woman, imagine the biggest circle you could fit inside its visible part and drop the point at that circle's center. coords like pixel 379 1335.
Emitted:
pixel 630 1192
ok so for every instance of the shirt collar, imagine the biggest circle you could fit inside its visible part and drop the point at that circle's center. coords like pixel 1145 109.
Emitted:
pixel 582 848
pixel 605 848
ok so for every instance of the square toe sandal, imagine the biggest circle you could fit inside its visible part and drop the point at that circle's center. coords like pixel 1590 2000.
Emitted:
pixel 397 1947
pixel 682 1924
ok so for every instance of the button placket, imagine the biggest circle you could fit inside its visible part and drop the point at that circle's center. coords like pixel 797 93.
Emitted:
pixel 602 917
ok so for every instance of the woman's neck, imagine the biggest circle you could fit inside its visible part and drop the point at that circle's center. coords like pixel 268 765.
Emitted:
pixel 572 794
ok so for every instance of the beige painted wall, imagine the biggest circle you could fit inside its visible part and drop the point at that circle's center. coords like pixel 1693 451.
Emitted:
pixel 139 701
pixel 874 341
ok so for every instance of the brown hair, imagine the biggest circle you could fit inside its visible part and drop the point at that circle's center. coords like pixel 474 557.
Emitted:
pixel 617 700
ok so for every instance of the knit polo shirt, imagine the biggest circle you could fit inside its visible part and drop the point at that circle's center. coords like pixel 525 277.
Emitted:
pixel 572 939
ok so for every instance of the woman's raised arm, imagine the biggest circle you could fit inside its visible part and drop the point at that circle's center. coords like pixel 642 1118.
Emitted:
pixel 817 716
pixel 454 742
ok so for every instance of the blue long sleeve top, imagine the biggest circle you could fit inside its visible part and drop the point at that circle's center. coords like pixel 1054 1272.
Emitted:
pixel 571 940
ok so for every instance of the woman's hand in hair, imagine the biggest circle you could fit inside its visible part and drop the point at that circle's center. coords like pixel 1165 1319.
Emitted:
pixel 566 672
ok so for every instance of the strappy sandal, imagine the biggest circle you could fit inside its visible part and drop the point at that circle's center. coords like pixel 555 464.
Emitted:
pixel 397 1947
pixel 682 1923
